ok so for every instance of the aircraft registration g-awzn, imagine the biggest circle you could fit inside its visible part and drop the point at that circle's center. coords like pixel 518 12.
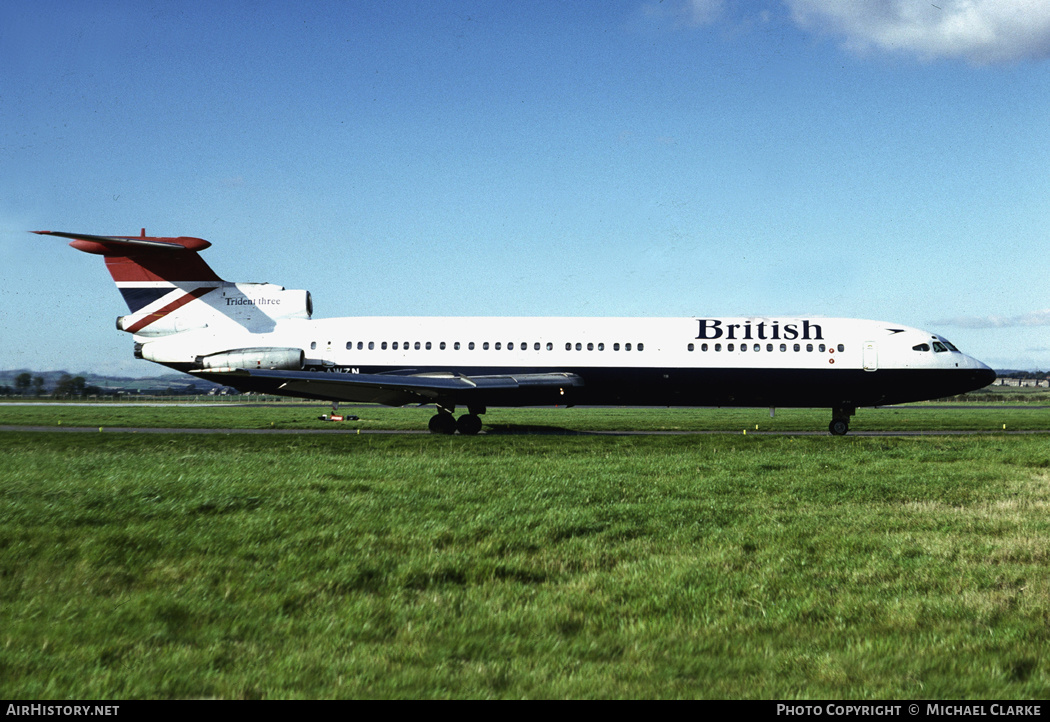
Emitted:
pixel 261 337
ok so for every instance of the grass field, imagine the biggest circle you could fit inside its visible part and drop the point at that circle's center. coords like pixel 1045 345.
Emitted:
pixel 985 417
pixel 532 565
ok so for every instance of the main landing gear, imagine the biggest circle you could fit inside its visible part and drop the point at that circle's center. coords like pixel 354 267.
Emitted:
pixel 840 416
pixel 468 424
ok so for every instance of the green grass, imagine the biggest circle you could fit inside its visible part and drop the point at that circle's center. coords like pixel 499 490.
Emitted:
pixel 918 417
pixel 524 566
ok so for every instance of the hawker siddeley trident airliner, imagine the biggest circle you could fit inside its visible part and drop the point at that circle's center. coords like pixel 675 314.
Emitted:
pixel 261 337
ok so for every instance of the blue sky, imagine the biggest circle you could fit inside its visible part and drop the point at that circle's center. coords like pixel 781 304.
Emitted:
pixel 882 159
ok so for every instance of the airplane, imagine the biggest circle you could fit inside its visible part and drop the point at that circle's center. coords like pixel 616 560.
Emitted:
pixel 261 337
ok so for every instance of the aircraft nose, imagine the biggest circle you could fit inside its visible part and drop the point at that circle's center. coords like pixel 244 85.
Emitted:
pixel 982 374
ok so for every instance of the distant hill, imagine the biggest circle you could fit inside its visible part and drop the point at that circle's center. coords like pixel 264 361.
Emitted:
pixel 168 383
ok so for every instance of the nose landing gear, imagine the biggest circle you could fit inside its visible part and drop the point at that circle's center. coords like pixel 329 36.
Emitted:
pixel 840 416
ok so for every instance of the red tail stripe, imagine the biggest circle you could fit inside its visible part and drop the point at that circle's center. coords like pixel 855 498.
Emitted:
pixel 160 266
pixel 173 306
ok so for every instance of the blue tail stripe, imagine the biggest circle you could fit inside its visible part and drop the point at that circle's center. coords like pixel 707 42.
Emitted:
pixel 137 298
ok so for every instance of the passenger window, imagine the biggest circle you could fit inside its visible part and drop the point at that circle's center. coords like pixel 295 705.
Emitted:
pixel 718 347
pixel 349 345
pixel 568 347
pixel 590 347
pixel 360 345
pixel 841 348
pixel 579 346
pixel 313 345
pixel 627 347
pixel 769 347
pixel 729 347
pixel 796 347
pixel 371 345
pixel 416 347
pixel 498 346
pixel 394 346
pixel 510 346
pixel 821 348
pixel 485 346
pixel 691 347
pixel 783 347
pixel 616 347
pixel 441 346
pixel 550 346
pixel 455 346
pixel 743 347
pixel 601 347
pixel 641 347
pixel 383 346
pixel 809 347
pixel 703 347
pixel 470 346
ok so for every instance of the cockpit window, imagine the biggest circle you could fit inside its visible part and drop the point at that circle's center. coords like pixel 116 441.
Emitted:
pixel 921 347
pixel 950 345
pixel 939 347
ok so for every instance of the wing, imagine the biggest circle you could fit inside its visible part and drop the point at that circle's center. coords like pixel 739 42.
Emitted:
pixel 512 389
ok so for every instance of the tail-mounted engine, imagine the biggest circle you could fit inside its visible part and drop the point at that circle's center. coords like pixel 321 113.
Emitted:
pixel 254 358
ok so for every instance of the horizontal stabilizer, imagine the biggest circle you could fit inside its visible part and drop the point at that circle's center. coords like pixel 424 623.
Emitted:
pixel 128 244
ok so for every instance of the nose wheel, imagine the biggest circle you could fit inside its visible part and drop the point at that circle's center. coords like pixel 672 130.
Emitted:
pixel 840 417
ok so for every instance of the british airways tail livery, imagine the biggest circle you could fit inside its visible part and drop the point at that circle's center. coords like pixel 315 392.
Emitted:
pixel 262 337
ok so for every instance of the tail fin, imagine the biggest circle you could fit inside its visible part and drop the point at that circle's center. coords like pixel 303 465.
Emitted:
pixel 158 277
pixel 146 269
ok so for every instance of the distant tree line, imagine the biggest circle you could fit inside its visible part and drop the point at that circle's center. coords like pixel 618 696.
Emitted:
pixel 26 384
pixel 1025 374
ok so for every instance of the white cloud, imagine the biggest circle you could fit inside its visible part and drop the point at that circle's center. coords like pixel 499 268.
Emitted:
pixel 979 31
pixel 705 11
pixel 690 13
pixel 1033 318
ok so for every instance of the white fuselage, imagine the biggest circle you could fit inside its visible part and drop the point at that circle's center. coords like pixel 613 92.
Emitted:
pixel 396 342
pixel 681 361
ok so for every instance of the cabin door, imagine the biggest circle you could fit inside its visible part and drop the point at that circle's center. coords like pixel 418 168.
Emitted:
pixel 871 356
